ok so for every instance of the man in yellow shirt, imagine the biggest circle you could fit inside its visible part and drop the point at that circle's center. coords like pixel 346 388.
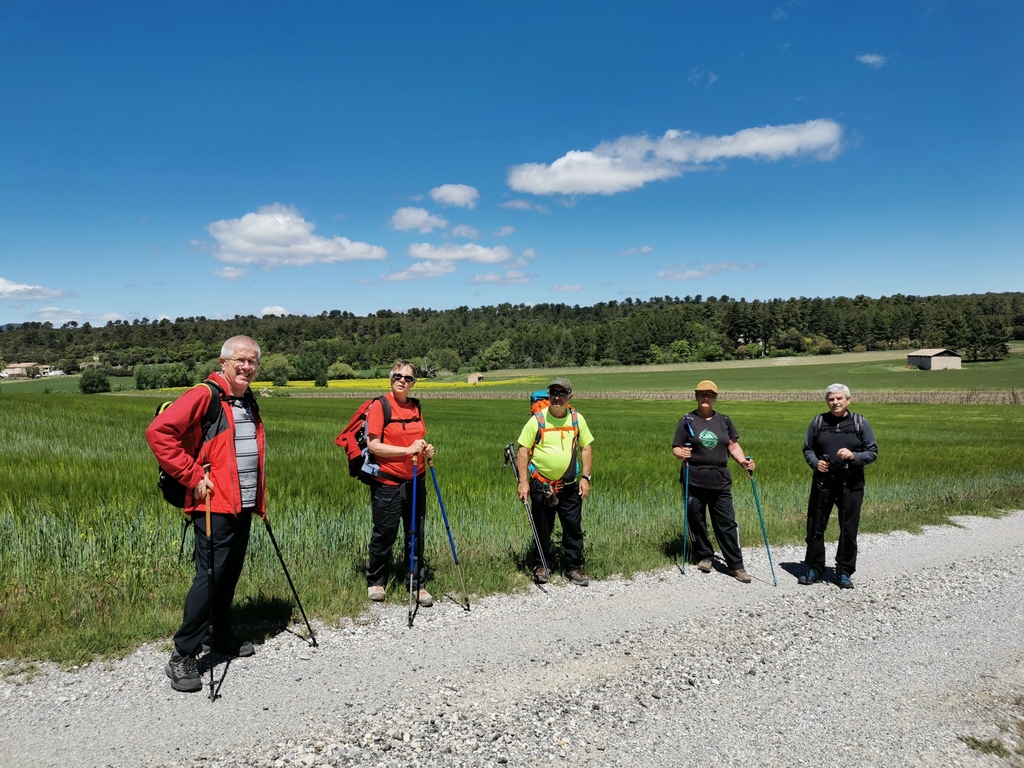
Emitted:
pixel 554 459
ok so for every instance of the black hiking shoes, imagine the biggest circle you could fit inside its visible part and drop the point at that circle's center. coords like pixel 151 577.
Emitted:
pixel 229 644
pixel 184 673
pixel 811 577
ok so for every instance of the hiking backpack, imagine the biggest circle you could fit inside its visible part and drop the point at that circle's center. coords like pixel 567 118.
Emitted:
pixel 173 491
pixel 538 402
pixel 352 438
pixel 858 425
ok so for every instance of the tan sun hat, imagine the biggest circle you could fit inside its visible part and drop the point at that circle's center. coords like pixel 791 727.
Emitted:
pixel 706 386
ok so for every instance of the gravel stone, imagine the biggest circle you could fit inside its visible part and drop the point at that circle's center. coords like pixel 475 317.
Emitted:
pixel 660 669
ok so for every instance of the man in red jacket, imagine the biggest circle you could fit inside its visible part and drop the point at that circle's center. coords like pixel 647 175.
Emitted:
pixel 220 460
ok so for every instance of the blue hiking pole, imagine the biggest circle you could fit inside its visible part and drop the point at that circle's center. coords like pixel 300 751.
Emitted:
pixel 444 515
pixel 412 543
pixel 764 530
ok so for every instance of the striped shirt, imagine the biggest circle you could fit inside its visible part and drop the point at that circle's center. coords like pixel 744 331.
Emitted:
pixel 246 451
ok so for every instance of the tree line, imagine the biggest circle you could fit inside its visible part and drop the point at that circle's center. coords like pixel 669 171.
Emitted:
pixel 339 344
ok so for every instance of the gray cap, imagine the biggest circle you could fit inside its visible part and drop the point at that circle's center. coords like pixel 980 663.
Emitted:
pixel 561 382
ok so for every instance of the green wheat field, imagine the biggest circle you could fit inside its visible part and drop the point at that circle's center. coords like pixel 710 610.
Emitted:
pixel 91 564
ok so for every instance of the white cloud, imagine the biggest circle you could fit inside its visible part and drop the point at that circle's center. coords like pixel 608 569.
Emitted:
pixel 778 14
pixel 231 273
pixel 460 195
pixel 405 219
pixel 56 315
pixel 511 277
pixel 464 230
pixel 518 205
pixel 566 288
pixel 875 60
pixel 704 77
pixel 525 205
pixel 686 272
pixel 505 231
pixel 467 252
pixel 275 310
pixel 277 235
pixel 425 270
pixel 631 162
pixel 637 251
pixel 11 291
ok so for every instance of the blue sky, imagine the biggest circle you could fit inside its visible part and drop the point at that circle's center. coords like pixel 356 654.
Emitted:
pixel 175 159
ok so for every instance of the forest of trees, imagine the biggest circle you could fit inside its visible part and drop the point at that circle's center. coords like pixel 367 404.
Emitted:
pixel 658 330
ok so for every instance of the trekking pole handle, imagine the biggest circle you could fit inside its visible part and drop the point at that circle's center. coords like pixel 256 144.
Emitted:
pixel 750 472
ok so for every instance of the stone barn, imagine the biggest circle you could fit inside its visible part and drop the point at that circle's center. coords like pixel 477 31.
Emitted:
pixel 475 378
pixel 934 359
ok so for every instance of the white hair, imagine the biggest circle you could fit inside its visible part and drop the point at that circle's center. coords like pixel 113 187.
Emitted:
pixel 838 388
pixel 227 351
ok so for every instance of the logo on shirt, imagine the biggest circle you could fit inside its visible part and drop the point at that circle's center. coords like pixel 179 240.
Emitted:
pixel 708 439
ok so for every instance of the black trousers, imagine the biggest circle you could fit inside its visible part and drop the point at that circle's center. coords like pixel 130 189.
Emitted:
pixel 392 505
pixel 718 504
pixel 230 534
pixel 826 494
pixel 570 514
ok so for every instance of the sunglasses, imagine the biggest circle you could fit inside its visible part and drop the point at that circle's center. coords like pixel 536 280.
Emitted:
pixel 401 376
pixel 559 393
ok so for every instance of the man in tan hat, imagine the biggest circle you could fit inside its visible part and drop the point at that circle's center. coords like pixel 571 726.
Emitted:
pixel 554 459
pixel 706 439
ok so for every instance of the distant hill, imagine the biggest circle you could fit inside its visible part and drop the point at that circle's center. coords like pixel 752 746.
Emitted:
pixel 659 330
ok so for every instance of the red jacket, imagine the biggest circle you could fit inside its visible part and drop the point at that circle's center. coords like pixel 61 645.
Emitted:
pixel 175 435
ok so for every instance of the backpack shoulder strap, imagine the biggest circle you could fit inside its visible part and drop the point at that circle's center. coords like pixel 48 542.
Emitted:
pixel 385 408
pixel 816 423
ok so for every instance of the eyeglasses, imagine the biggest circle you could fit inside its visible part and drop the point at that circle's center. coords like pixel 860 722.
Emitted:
pixel 243 361
pixel 559 393
pixel 402 376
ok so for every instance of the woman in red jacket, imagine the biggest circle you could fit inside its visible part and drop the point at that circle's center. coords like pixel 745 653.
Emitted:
pixel 222 463
pixel 393 439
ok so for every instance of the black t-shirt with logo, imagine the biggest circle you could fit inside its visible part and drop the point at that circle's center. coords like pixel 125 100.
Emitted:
pixel 709 464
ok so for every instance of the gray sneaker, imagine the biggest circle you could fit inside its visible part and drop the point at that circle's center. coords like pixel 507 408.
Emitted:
pixel 578 577
pixel 184 673
pixel 705 565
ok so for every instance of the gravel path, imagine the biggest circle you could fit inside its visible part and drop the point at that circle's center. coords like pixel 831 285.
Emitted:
pixel 658 670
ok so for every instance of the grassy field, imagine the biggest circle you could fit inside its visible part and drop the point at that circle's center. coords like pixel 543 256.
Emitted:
pixel 91 565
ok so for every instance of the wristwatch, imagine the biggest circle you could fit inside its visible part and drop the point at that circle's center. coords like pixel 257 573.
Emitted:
pixel 586 477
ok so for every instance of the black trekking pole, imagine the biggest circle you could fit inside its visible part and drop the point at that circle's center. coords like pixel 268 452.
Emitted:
pixel 209 575
pixel 510 458
pixel 686 492
pixel 184 530
pixel 764 531
pixel 412 541
pixel 444 515
pixel 273 540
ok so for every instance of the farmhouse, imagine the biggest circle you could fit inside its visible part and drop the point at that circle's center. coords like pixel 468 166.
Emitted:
pixel 934 359
pixel 475 377
pixel 19 370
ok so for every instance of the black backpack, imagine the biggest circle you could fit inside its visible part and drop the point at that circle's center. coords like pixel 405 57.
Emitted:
pixel 173 491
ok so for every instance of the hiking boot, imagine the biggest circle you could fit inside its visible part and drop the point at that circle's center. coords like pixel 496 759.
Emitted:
pixel 229 644
pixel 845 582
pixel 541 575
pixel 184 673
pixel 705 565
pixel 375 593
pixel 811 577
pixel 578 577
pixel 424 598
pixel 740 575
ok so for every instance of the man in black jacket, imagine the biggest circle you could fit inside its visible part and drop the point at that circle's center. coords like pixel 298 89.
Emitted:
pixel 839 444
